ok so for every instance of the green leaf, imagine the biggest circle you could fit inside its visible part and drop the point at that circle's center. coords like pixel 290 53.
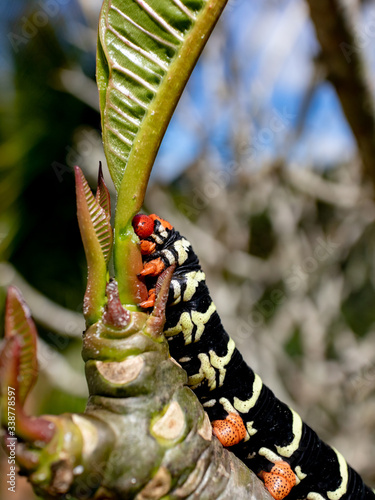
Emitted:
pixel 146 52
pixel 96 233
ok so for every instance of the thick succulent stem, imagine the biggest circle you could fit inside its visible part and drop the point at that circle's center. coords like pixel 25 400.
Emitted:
pixel 144 434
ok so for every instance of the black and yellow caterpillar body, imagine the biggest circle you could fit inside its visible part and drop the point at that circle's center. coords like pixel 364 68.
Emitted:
pixel 270 437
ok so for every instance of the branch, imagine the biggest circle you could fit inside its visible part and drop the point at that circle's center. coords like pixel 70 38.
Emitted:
pixel 335 23
pixel 143 435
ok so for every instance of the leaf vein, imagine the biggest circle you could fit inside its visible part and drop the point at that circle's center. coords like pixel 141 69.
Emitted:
pixel 120 136
pixel 159 20
pixel 148 55
pixel 129 95
pixel 136 78
pixel 126 117
pixel 157 38
pixel 185 10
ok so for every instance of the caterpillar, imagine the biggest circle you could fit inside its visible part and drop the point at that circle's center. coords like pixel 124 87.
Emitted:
pixel 267 435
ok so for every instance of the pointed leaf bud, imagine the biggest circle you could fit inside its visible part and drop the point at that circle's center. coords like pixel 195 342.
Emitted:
pixel 155 323
pixel 115 315
pixel 97 239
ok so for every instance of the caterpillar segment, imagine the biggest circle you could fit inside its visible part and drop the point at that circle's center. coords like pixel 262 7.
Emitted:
pixel 280 480
pixel 273 441
pixel 229 431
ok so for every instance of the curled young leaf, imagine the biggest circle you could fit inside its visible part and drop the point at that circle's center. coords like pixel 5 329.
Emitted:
pixel 18 323
pixel 18 372
pixel 102 193
pixel 96 232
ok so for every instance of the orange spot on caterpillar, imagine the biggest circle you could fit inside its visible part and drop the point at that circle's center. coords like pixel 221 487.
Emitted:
pixel 153 268
pixel 163 222
pixel 229 431
pixel 147 247
pixel 150 302
pixel 143 225
pixel 280 480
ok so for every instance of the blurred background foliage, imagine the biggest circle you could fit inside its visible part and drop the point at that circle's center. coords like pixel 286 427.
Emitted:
pixel 259 169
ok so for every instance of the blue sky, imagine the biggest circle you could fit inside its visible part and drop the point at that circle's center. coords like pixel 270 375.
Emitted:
pixel 274 46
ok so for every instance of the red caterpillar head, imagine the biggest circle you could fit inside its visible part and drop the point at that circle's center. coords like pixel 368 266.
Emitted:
pixel 151 230
pixel 143 226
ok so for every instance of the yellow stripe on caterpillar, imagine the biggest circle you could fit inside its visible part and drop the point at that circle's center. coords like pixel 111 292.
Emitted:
pixel 289 449
pixel 157 239
pixel 206 371
pixel 227 405
pixel 342 489
pixel 168 255
pixel 245 406
pixel 209 366
pixel 209 404
pixel 219 362
pixel 300 475
pixel 270 455
pixel 188 320
pixel 176 292
pixel 192 282
pixel 250 429
pixel 182 247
